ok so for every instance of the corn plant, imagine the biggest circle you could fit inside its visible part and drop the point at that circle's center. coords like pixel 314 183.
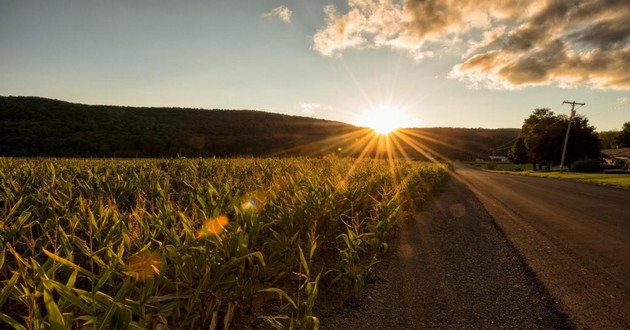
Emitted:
pixel 200 243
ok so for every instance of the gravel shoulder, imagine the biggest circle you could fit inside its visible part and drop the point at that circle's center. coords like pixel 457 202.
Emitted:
pixel 453 268
pixel 573 235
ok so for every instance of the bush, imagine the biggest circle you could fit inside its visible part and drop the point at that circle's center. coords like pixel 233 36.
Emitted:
pixel 587 166
pixel 491 166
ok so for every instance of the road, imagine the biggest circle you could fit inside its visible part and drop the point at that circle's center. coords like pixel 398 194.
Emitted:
pixel 453 269
pixel 574 236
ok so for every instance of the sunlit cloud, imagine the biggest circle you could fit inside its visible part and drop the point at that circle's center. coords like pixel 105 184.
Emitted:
pixel 283 13
pixel 507 44
pixel 309 108
pixel 623 100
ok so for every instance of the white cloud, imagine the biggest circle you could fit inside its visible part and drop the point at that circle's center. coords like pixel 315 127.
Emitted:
pixel 309 108
pixel 283 13
pixel 522 43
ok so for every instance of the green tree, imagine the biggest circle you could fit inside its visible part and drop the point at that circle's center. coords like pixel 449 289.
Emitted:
pixel 623 139
pixel 518 153
pixel 539 136
pixel 608 139
pixel 543 134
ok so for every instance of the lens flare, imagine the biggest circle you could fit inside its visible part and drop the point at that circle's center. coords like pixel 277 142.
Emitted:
pixel 249 204
pixel 144 265
pixel 213 227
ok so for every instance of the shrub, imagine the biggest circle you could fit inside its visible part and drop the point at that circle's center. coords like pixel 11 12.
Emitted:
pixel 491 166
pixel 587 166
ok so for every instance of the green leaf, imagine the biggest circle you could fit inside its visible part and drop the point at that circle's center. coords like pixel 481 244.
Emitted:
pixel 282 294
pixel 313 247
pixel 15 324
pixel 4 294
pixel 315 323
pixel 18 224
pixel 15 207
pixel 68 263
pixel 72 279
pixel 68 296
pixel 55 319
pixel 303 261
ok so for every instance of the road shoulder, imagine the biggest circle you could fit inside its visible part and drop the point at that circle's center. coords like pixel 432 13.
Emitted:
pixel 453 268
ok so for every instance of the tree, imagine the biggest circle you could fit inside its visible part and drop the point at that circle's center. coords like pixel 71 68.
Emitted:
pixel 518 153
pixel 543 135
pixel 583 141
pixel 623 139
pixel 608 139
pixel 538 133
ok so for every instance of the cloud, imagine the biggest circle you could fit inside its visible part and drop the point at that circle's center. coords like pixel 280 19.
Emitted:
pixel 350 30
pixel 283 13
pixel 508 44
pixel 309 108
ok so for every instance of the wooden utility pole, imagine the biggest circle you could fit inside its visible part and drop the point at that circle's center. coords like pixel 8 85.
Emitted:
pixel 566 137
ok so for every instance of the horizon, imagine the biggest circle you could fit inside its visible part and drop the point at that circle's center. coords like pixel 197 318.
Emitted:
pixel 257 110
pixel 472 65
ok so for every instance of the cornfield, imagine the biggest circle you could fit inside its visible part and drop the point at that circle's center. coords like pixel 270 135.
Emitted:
pixel 192 244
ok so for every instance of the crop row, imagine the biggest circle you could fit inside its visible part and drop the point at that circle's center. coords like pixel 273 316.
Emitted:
pixel 194 243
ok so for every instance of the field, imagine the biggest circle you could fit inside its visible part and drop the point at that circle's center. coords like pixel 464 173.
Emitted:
pixel 195 243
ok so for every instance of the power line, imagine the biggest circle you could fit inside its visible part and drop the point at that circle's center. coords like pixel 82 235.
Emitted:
pixel 504 146
pixel 566 137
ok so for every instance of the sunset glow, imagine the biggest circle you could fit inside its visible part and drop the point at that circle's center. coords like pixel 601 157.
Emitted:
pixel 385 119
pixel 472 64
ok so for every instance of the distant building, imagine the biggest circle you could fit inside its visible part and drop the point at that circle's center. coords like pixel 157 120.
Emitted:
pixel 617 157
pixel 501 159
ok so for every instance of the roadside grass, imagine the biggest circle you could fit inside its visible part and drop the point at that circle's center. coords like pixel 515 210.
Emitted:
pixel 615 180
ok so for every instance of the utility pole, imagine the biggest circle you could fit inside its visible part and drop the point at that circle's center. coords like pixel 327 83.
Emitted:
pixel 566 137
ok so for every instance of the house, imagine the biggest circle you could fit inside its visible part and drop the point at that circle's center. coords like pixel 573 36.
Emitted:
pixel 617 157
pixel 501 159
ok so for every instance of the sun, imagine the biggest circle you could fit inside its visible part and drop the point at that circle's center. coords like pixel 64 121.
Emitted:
pixel 384 119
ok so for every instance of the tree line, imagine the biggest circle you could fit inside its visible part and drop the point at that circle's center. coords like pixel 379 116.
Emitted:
pixel 39 127
pixel 31 127
pixel 542 135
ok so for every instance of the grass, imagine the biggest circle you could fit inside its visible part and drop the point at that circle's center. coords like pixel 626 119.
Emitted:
pixel 193 244
pixel 614 180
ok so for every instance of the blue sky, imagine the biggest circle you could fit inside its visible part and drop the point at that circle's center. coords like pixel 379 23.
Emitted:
pixel 444 63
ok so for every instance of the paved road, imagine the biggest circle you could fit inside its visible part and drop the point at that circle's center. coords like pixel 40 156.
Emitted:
pixel 575 237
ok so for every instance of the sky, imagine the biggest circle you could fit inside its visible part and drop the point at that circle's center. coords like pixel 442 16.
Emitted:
pixel 456 63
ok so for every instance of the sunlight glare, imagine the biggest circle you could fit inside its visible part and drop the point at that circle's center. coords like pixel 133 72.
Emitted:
pixel 385 119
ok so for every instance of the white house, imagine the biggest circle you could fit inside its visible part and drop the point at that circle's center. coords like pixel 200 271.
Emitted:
pixel 501 159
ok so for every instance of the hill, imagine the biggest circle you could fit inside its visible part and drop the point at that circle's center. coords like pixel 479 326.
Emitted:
pixel 39 127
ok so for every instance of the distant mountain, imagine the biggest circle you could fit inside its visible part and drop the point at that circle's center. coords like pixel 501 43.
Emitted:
pixel 39 127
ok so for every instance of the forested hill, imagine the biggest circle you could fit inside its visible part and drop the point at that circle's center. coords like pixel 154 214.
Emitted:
pixel 33 127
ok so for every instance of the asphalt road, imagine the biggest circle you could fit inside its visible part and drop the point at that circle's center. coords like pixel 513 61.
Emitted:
pixel 574 236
